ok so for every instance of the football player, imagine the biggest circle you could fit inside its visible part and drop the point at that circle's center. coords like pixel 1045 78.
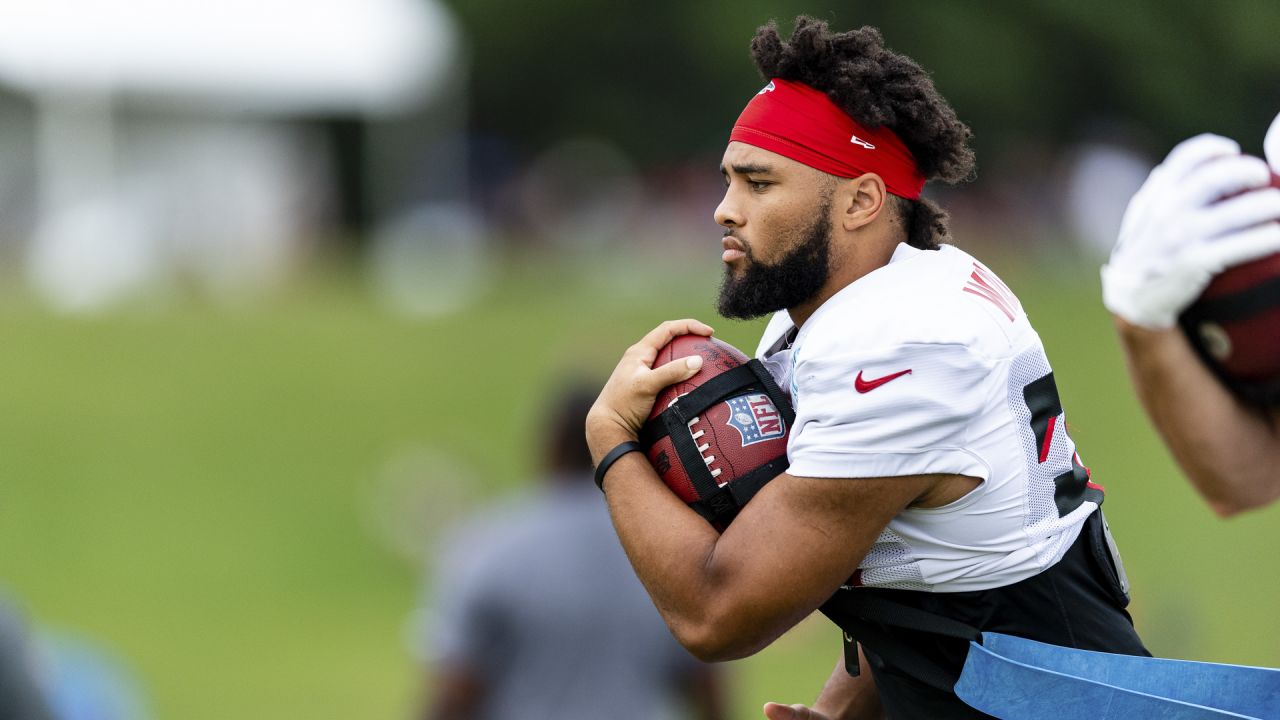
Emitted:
pixel 930 468
pixel 1202 210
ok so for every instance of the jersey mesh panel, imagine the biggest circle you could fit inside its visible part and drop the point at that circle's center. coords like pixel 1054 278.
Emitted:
pixel 890 564
pixel 1043 526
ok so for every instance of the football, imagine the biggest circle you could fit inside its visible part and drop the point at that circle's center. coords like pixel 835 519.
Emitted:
pixel 1235 327
pixel 738 425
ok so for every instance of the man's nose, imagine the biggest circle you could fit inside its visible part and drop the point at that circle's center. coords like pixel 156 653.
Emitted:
pixel 728 213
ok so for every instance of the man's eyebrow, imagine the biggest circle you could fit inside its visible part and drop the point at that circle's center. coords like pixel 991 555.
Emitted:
pixel 752 169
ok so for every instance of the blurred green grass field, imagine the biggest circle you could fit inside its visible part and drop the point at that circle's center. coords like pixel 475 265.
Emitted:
pixel 196 486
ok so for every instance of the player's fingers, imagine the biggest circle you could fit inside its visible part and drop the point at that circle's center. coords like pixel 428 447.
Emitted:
pixel 1188 154
pixel 1221 177
pixel 671 329
pixel 778 711
pixel 1237 248
pixel 1137 213
pixel 1244 211
pixel 1271 144
pixel 673 372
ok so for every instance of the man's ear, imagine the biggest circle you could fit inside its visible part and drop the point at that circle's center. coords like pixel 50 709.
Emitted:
pixel 860 200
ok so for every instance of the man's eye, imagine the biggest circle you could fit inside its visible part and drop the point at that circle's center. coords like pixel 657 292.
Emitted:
pixel 758 185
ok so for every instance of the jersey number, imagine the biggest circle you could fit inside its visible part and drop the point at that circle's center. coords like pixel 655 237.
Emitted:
pixel 1072 486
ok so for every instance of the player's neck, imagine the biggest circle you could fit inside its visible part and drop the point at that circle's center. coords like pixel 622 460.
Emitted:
pixel 859 255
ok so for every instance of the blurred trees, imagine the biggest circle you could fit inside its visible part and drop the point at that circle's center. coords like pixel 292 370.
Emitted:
pixel 665 79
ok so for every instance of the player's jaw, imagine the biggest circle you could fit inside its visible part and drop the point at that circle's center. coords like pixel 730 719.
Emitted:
pixel 752 288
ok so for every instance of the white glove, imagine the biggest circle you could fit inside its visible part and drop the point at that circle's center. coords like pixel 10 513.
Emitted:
pixel 1271 145
pixel 1178 231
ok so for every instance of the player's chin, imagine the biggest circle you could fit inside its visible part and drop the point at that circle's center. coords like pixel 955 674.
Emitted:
pixel 732 304
pixel 735 270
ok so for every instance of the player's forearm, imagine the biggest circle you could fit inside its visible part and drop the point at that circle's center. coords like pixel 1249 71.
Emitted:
pixel 1228 451
pixel 845 697
pixel 673 550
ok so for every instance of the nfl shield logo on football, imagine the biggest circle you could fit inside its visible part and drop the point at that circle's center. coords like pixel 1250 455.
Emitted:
pixel 756 418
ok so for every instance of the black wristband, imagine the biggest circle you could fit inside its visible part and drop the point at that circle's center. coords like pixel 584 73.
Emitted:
pixel 612 456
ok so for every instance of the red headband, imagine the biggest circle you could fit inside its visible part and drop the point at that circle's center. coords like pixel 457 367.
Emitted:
pixel 799 122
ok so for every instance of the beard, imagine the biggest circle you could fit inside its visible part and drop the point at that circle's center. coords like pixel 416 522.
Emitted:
pixel 795 279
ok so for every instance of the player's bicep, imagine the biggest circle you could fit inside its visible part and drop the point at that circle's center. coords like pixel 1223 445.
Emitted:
pixel 798 541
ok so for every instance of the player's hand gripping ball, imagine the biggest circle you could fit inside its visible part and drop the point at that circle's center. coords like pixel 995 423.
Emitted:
pixel 739 438
pixel 1204 209
pixel 1235 323
pixel 1235 326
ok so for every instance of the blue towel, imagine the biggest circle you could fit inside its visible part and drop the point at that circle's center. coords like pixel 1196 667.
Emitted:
pixel 1014 678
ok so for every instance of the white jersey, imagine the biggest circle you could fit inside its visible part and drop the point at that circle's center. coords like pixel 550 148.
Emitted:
pixel 929 365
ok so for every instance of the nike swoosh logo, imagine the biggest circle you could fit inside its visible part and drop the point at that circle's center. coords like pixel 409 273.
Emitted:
pixel 866 386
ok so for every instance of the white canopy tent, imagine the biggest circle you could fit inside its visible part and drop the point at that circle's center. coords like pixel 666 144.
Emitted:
pixel 271 56
pixel 105 224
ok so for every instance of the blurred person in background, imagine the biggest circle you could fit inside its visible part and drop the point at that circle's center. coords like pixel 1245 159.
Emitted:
pixel 930 467
pixel 538 614
pixel 49 675
pixel 1204 209
pixel 21 697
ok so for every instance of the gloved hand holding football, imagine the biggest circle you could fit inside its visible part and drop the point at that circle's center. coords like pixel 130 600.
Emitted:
pixel 1204 209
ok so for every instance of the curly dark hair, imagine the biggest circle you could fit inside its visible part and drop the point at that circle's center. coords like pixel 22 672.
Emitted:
pixel 877 87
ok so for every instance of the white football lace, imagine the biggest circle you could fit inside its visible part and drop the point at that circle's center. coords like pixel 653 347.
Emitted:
pixel 703 448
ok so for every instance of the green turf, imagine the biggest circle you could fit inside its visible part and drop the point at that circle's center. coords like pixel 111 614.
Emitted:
pixel 194 486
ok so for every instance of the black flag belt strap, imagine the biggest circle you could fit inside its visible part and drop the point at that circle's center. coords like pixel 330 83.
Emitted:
pixel 717 503
pixel 863 619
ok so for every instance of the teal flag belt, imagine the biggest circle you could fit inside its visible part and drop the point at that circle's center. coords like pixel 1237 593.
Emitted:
pixel 1014 678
